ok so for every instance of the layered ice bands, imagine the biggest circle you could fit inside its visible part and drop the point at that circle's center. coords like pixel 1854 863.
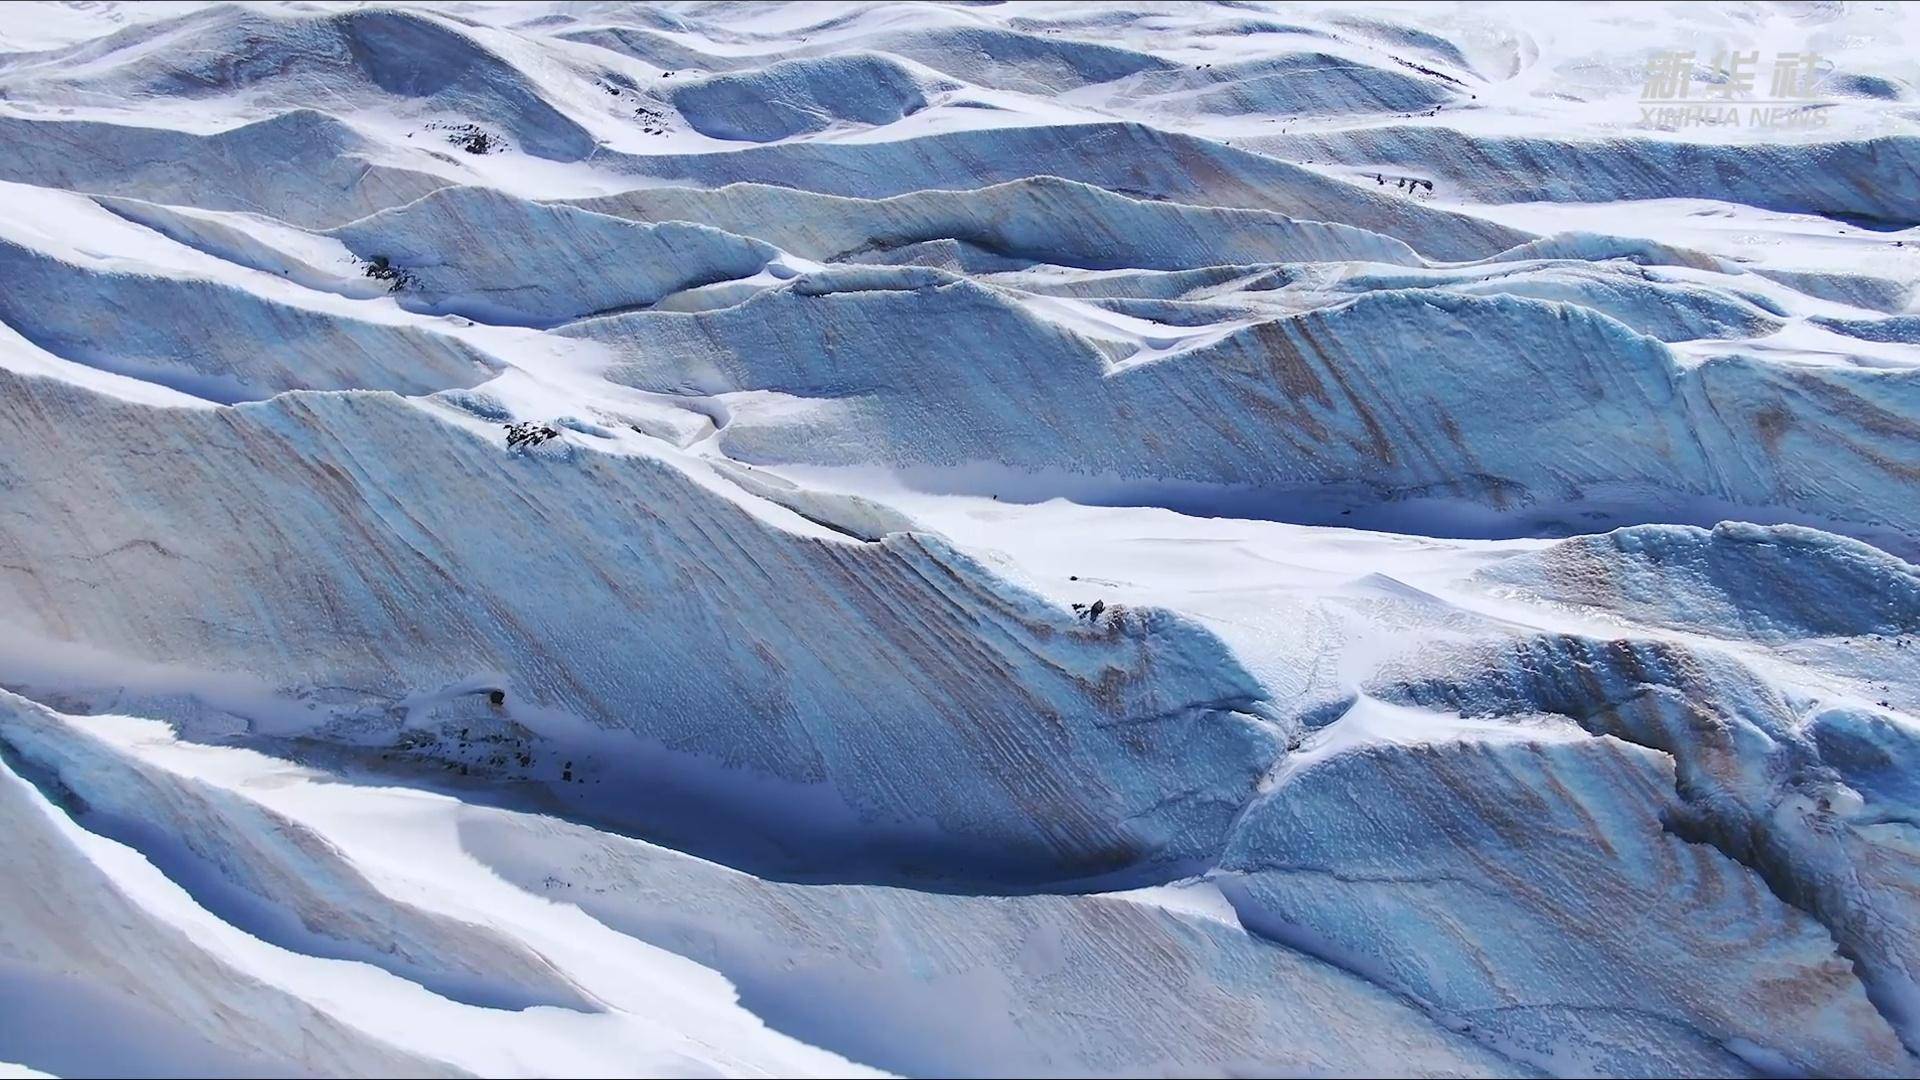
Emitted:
pixel 547 539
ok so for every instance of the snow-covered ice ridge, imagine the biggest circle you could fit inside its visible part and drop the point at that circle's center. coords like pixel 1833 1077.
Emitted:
pixel 943 539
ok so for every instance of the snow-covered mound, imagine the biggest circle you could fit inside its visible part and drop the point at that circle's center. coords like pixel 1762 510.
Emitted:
pixel 1869 180
pixel 109 275
pixel 802 97
pixel 1383 395
pixel 1018 221
pixel 1752 580
pixel 1131 159
pixel 547 612
pixel 302 166
pixel 1307 83
pixel 951 539
pixel 1644 910
pixel 244 60
pixel 1752 781
pixel 495 258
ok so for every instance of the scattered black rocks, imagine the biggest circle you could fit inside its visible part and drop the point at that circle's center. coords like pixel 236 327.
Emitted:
pixel 472 138
pixel 1408 184
pixel 379 268
pixel 1425 70
pixel 653 121
pixel 529 433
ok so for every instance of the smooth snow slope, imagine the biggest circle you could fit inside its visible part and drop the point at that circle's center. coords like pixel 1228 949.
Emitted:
pixel 948 539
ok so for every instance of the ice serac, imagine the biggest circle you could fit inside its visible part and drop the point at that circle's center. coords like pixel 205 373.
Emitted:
pixel 957 539
pixel 415 62
pixel 1384 394
pixel 948 711
pixel 1295 82
pixel 1529 891
pixel 1132 159
pixel 1026 62
pixel 1750 776
pixel 1752 581
pixel 906 978
pixel 1018 220
pixel 302 166
pixel 800 97
pixel 211 347
pixel 1863 179
pixel 77 903
pixel 489 256
pixel 202 832
pixel 157 941
pixel 921 982
pixel 1656 302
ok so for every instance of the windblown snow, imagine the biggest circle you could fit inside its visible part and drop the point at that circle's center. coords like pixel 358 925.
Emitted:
pixel 698 539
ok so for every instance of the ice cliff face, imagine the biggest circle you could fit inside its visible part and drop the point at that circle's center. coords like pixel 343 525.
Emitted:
pixel 929 539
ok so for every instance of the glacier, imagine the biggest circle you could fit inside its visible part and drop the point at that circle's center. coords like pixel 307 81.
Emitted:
pixel 884 538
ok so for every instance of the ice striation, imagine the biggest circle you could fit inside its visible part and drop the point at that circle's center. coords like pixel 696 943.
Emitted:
pixel 936 539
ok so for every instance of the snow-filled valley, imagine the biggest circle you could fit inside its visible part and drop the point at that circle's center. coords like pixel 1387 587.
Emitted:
pixel 698 539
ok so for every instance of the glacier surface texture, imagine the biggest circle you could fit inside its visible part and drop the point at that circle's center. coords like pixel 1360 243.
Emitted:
pixel 945 539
